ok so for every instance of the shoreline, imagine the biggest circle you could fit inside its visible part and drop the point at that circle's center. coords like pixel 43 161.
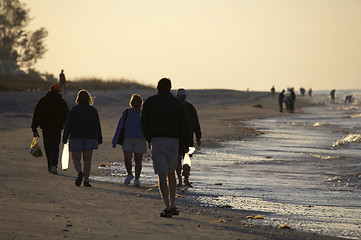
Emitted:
pixel 36 204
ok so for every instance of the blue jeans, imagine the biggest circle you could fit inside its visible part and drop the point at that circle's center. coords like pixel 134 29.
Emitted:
pixel 52 138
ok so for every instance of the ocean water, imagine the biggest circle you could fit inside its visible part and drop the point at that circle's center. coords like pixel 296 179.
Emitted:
pixel 304 171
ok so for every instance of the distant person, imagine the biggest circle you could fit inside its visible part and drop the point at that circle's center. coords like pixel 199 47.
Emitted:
pixel 62 80
pixel 310 92
pixel 82 127
pixel 302 91
pixel 193 121
pixel 292 100
pixel 332 95
pixel 281 98
pixel 348 98
pixel 163 122
pixel 273 91
pixel 50 113
pixel 134 141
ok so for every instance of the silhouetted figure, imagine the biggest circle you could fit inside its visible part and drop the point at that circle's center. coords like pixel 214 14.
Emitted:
pixel 134 142
pixel 50 113
pixel 163 122
pixel 310 92
pixel 302 91
pixel 62 80
pixel 193 121
pixel 332 95
pixel 292 99
pixel 273 91
pixel 82 127
pixel 348 99
pixel 281 98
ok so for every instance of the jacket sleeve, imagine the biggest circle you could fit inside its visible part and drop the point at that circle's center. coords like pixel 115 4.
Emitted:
pixel 99 129
pixel 145 123
pixel 117 131
pixel 36 116
pixel 68 124
pixel 65 111
pixel 195 124
pixel 186 133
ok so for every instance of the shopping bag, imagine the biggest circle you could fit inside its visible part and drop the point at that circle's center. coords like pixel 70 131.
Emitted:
pixel 65 157
pixel 186 163
pixel 35 149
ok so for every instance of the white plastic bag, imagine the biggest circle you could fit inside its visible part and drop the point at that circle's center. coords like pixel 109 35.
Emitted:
pixel 65 157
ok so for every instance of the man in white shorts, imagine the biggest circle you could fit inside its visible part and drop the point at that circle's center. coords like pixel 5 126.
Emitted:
pixel 163 122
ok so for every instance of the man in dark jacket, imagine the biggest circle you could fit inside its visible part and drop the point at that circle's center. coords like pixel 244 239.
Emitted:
pixel 195 127
pixel 50 113
pixel 281 99
pixel 163 122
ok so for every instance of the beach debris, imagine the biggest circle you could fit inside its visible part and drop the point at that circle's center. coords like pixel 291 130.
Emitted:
pixel 258 106
pixel 222 220
pixel 138 195
pixel 219 184
pixel 268 157
pixel 283 226
pixel 258 133
pixel 225 206
pixel 219 140
pixel 150 189
pixel 197 213
pixel 255 217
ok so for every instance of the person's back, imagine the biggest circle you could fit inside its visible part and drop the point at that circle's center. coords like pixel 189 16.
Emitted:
pixel 51 111
pixel 163 113
pixel 83 122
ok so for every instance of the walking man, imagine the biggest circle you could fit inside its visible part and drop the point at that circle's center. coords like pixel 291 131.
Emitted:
pixel 163 122
pixel 195 127
pixel 50 114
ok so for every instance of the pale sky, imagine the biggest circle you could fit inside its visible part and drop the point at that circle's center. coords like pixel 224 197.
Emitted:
pixel 228 44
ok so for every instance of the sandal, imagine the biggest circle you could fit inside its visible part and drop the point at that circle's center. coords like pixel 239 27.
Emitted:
pixel 166 213
pixel 174 211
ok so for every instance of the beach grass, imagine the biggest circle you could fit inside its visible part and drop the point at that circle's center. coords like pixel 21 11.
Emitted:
pixel 41 82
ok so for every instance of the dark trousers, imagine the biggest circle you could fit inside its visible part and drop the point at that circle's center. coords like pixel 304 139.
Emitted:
pixel 51 138
pixel 292 106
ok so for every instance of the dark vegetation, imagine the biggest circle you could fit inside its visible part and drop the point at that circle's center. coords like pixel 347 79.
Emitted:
pixel 34 81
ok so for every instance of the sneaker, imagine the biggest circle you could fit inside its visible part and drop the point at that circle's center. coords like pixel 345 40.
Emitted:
pixel 54 169
pixel 79 179
pixel 128 179
pixel 136 183
pixel 174 211
pixel 166 213
pixel 179 185
pixel 188 184
pixel 87 184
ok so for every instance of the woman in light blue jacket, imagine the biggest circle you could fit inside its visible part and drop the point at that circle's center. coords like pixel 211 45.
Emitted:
pixel 134 141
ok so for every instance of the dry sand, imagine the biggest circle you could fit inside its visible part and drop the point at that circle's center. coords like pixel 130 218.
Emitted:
pixel 39 205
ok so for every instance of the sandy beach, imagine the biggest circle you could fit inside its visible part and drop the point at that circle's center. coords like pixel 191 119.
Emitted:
pixel 38 205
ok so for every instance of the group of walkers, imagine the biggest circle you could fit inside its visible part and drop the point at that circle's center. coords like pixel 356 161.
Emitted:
pixel 165 121
pixel 288 101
